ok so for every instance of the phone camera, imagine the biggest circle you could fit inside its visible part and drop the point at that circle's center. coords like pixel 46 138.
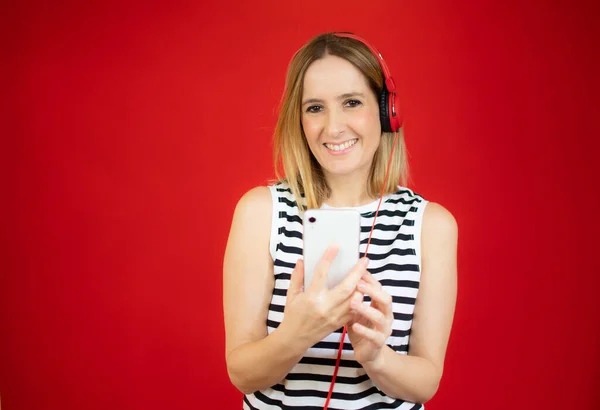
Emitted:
pixel 312 219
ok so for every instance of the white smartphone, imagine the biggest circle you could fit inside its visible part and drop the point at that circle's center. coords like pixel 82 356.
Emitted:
pixel 326 227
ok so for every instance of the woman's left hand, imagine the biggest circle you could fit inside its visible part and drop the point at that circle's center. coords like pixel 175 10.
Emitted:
pixel 373 324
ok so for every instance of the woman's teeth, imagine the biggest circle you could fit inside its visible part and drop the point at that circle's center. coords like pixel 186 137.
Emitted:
pixel 343 146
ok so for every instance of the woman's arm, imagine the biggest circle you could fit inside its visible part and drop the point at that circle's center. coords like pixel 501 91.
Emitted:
pixel 415 377
pixel 254 361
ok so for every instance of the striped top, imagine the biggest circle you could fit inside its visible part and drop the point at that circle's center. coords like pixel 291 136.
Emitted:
pixel 395 261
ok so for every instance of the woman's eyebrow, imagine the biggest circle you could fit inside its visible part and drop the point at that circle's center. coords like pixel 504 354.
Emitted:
pixel 351 94
pixel 312 100
pixel 340 97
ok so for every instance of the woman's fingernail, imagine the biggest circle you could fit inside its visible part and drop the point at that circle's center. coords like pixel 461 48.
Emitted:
pixel 365 262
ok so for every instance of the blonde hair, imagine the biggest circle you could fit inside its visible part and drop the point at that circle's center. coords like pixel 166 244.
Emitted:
pixel 294 161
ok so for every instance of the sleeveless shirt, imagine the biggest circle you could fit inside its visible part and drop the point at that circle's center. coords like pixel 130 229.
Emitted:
pixel 395 261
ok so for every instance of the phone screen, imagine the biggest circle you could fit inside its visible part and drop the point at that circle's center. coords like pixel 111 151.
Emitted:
pixel 324 228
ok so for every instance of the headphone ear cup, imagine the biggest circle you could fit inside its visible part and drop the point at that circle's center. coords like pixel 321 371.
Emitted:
pixel 384 110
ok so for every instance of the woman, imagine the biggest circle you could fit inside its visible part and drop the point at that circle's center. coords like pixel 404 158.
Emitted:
pixel 282 340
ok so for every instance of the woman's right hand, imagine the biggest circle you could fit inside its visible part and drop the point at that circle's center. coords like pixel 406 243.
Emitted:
pixel 313 313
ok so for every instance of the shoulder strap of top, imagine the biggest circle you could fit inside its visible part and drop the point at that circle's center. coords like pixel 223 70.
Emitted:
pixel 274 220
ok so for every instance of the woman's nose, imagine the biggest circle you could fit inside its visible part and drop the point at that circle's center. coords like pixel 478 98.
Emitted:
pixel 335 122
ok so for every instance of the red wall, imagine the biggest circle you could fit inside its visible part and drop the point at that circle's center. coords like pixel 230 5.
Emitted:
pixel 134 128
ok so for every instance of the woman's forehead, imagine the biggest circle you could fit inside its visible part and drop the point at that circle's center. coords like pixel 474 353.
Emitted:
pixel 333 76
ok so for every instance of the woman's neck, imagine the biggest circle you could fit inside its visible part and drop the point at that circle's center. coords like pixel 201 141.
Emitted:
pixel 347 192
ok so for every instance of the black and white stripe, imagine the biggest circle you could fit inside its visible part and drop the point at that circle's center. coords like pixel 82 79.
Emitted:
pixel 395 261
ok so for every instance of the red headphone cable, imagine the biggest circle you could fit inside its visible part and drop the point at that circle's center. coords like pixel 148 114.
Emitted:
pixel 345 330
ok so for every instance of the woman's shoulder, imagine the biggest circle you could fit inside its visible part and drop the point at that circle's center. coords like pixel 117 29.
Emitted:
pixel 436 217
pixel 255 199
pixel 440 228
pixel 259 199
pixel 439 218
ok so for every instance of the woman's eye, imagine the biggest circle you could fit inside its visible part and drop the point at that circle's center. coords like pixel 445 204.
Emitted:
pixel 313 109
pixel 353 103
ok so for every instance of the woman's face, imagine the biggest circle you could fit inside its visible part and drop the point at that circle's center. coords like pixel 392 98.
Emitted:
pixel 340 117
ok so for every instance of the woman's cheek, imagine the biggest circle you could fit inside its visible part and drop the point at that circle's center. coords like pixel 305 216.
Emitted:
pixel 311 129
pixel 366 122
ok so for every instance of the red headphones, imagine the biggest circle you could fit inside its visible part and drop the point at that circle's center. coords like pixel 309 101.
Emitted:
pixel 389 104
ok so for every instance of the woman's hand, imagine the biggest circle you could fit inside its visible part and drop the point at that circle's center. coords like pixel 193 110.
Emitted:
pixel 314 313
pixel 373 324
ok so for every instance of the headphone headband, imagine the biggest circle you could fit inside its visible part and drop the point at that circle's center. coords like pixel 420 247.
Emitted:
pixel 389 81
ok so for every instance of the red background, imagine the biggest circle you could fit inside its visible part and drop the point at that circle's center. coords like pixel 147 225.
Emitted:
pixel 132 129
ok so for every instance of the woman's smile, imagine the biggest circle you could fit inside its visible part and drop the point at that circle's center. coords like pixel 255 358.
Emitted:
pixel 342 148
